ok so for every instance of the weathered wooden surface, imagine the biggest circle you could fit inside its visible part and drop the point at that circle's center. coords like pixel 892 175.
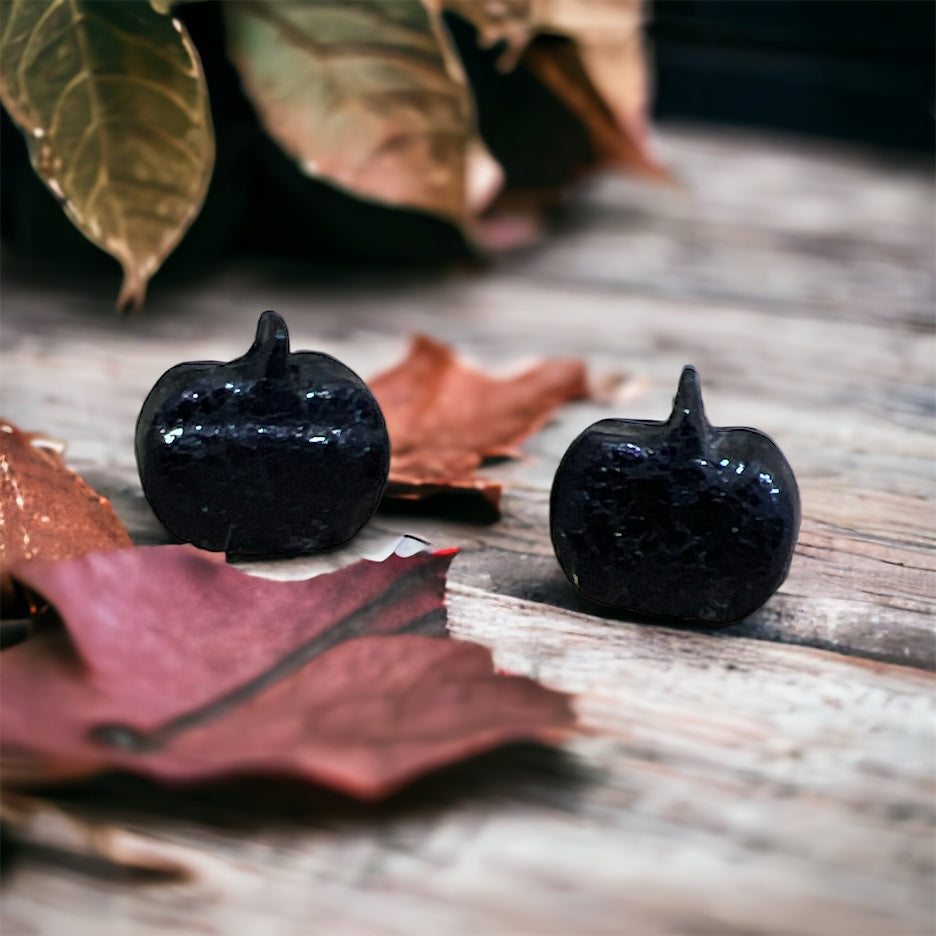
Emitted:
pixel 773 777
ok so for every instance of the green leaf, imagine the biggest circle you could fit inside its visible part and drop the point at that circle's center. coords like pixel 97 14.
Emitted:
pixel 365 94
pixel 113 102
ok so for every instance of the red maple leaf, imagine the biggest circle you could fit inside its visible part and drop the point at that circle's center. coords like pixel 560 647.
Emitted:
pixel 174 665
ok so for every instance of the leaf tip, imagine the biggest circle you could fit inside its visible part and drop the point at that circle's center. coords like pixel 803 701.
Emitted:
pixel 132 292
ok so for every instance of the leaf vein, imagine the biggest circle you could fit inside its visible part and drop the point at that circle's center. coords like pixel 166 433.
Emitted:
pixel 75 82
pixel 135 39
pixel 96 129
pixel 24 59
pixel 161 219
pixel 95 103
pixel 413 58
pixel 168 93
pixel 8 17
pixel 374 15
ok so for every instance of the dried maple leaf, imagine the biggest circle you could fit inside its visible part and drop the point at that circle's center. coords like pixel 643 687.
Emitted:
pixel 176 666
pixel 444 418
pixel 46 510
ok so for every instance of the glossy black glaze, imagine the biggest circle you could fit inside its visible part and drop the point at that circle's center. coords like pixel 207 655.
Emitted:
pixel 678 519
pixel 273 452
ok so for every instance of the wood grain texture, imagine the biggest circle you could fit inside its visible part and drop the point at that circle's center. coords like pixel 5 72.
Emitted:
pixel 772 777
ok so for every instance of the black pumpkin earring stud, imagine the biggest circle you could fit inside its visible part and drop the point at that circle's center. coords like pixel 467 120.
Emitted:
pixel 271 453
pixel 677 519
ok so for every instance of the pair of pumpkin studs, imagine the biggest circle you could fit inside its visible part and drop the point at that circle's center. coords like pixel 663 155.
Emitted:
pixel 286 452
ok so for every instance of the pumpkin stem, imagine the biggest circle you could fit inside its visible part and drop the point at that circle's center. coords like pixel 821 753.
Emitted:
pixel 688 409
pixel 272 341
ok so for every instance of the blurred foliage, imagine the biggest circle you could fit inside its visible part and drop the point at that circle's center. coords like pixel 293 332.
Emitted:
pixel 400 129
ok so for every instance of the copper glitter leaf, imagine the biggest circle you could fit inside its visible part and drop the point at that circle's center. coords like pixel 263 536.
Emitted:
pixel 46 510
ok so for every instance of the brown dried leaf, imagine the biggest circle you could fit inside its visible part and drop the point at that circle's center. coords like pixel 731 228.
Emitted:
pixel 619 139
pixel 368 95
pixel 445 418
pixel 176 666
pixel 600 74
pixel 47 511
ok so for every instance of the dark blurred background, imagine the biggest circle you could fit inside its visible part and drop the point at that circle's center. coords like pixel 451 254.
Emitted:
pixel 838 69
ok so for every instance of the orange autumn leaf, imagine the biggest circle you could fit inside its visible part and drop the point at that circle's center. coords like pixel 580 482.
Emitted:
pixel 47 510
pixel 445 418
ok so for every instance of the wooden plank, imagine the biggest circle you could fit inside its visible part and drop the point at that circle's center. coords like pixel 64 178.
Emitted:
pixel 721 786
pixel 863 578
pixel 733 781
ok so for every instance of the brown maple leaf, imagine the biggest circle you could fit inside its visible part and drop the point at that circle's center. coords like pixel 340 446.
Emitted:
pixel 445 418
pixel 174 665
pixel 46 510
